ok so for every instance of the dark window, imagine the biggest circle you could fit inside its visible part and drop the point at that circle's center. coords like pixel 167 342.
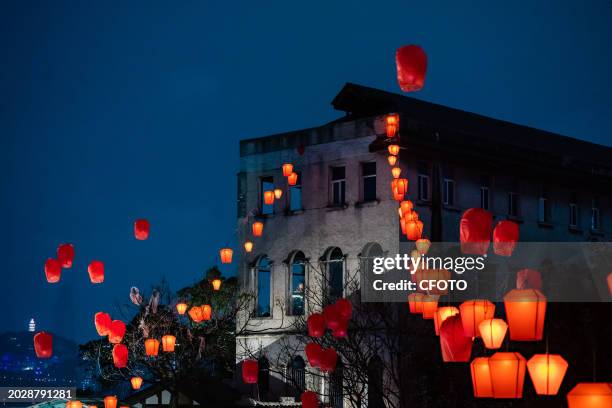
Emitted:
pixel 595 215
pixel 484 197
pixel 335 274
pixel 543 210
pixel 267 184
pixel 513 204
pixel 336 380
pixel 338 181
pixel 449 192
pixel 263 378
pixel 369 181
pixel 296 375
pixel 573 211
pixel 296 284
pixel 295 194
pixel 264 277
pixel 423 182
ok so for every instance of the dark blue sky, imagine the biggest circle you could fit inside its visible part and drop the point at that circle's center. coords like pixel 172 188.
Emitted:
pixel 110 111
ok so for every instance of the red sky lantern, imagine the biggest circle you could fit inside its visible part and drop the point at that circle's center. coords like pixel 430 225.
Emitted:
pixel 309 400
pixel 393 149
pixel 287 169
pixel 216 284
pixel 141 229
pixel 525 312
pixel 590 395
pixel 329 358
pixel 53 270
pixel 258 228
pixel 316 325
pixel 136 382
pixel 414 230
pixel 96 271
pixel 43 345
pixel 103 323
pixel 547 372
pixel 181 308
pixel 332 316
pixel 313 354
pixel 411 64
pixel 248 246
pixel 292 179
pixel 473 312
pixel 120 355
pixel 151 347
pixel 342 330
pixel 475 231
pixel 206 312
pixel 392 124
pixel 455 345
pixel 269 197
pixel 395 172
pixel 278 193
pixel 528 279
pixel 250 371
pixel 481 378
pixel 493 332
pixel 345 308
pixel 415 302
pixel 110 401
pixel 196 314
pixel 442 313
pixel 430 305
pixel 392 160
pixel 505 237
pixel 65 255
pixel 507 374
pixel 116 332
pixel 168 343
pixel 226 255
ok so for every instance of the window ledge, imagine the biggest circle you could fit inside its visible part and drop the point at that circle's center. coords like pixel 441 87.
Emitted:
pixel 452 208
pixel 545 224
pixel 371 203
pixel 333 207
pixel 574 229
pixel 423 203
pixel 515 218
pixel 597 233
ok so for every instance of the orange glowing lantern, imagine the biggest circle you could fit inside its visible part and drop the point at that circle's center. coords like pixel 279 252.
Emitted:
pixel 168 343
pixel 507 374
pixel 268 197
pixel 110 401
pixel 493 332
pixel 547 372
pixel 406 207
pixel 395 172
pixel 528 279
pixel 394 149
pixel 206 312
pixel 196 314
pixel 141 229
pixel 525 311
pixel 610 283
pixel 431 279
pixel 65 255
pixel 53 270
pixel 226 255
pixel 258 228
pixel 392 160
pixel 590 395
pixel 442 314
pixel 151 347
pixel 402 185
pixel 216 284
pixel 403 225
pixel 411 216
pixel 116 331
pixel 411 64
pixel 422 245
pixel 103 323
pixel 136 382
pixel 473 312
pixel 181 308
pixel 415 302
pixel 392 124
pixel 292 179
pixel 397 196
pixel 430 305
pixel 96 271
pixel 414 229
pixel 287 169
pixel 481 378
pixel 248 246
pixel 43 345
pixel 454 344
pixel 278 193
pixel 120 355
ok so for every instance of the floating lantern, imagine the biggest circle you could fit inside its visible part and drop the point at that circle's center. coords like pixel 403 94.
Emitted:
pixel 525 312
pixel 332 316
pixel 392 124
pixel 481 378
pixel 206 312
pixel 429 276
pixel 430 305
pixel 181 308
pixel 292 179
pixel 493 332
pixel 405 207
pixel 120 355
pixel 415 302
pixel 507 374
pixel 395 172
pixel 53 270
pixel 547 372
pixel 269 197
pixel 278 193
pixel 329 358
pixel 342 330
pixel 411 216
pixel 313 354
pixel 505 237
pixel 422 245
pixel 397 196
pixel 309 400
pixel 75 404
pixel 116 332
pixel 151 347
pixel 136 382
pixel 402 185
pixel 528 279
pixel 258 228
pixel 473 312
pixel 475 231
pixel 287 169
pixel 43 344
pixel 110 401
pixel 316 325
pixel 141 229
pixel 455 345
pixel 610 283
pixel 96 271
pixel 168 343
pixel 65 255
pixel 590 395
pixel 250 371
pixel 442 313
pixel 345 308
pixel 248 246
pixel 196 314
pixel 411 64
pixel 403 225
pixel 226 255
pixel 393 149
pixel 216 284
pixel 392 160
pixel 414 229
pixel 103 323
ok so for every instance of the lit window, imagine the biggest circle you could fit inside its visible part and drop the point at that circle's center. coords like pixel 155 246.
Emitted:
pixel 368 171
pixel 338 185
pixel 297 284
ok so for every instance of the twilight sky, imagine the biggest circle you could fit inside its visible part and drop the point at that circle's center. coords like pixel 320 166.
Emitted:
pixel 110 111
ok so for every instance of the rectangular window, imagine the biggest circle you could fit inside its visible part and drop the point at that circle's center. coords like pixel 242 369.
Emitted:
pixel 543 210
pixel 368 172
pixel 338 185
pixel 595 216
pixel 423 182
pixel 513 204
pixel 484 197
pixel 573 215
pixel 449 192
pixel 266 184
pixel 295 194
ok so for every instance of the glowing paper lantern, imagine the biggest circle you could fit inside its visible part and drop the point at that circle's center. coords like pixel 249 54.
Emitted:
pixel 226 255
pixel 403 225
pixel 181 308
pixel 393 149
pixel 329 358
pixel 507 374
pixel 75 404
pixel 141 229
pixel 196 314
pixel 103 323
pixel 475 231
pixel 342 330
pixel 309 400
pixel 481 378
pixel 287 169
pixel 406 207
pixel 392 160
pixel 528 279
pixel 168 343
pixel 395 172
pixel 430 305
pixel 316 325
pixel 278 193
pixel 590 395
pixel 116 332
pixel 455 345
pixel 332 316
pixel 392 124
pixel 96 271
pixel 402 185
pixel 136 382
pixel 525 311
pixel 610 283
pixel 493 332
pixel 43 345
pixel 53 270
pixel 397 196
pixel 248 246
pixel 110 401
pixel 206 312
pixel 250 371
pixel 268 197
pixel 547 372
pixel 411 64
pixel 151 347
pixel 505 237
pixel 345 308
pixel 313 354
pixel 415 302
pixel 65 255
pixel 258 228
pixel 292 179
pixel 473 312
pixel 442 314
pixel 120 355
pixel 414 230
pixel 422 245
pixel 216 284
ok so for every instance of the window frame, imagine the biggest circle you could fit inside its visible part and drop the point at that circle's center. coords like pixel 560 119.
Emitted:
pixel 487 190
pixel 257 268
pixel 573 215
pixel 514 204
pixel 447 181
pixel 368 176
pixel 420 179
pixel 292 190
pixel 292 261
pixel 341 183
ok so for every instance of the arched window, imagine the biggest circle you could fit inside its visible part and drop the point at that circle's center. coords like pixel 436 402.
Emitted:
pixel 264 294
pixel 335 273
pixel 370 251
pixel 375 383
pixel 297 274
pixel 296 375
pixel 263 377
pixel 336 380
